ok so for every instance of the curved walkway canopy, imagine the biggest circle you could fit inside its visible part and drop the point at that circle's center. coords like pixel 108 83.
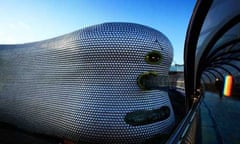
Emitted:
pixel 212 46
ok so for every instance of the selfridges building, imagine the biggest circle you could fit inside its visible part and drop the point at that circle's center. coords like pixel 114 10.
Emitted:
pixel 100 84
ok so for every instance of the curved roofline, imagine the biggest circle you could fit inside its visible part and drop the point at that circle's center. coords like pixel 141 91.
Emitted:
pixel 85 28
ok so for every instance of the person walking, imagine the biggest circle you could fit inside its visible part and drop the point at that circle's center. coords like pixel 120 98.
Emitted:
pixel 219 86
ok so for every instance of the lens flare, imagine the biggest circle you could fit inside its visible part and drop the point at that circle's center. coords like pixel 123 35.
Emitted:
pixel 228 85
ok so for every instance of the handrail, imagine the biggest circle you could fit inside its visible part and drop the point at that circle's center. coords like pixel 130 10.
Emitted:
pixel 180 131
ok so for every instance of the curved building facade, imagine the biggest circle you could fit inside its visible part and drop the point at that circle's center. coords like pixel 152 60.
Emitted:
pixel 84 86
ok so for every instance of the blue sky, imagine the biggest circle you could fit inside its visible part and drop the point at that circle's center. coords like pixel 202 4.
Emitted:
pixel 33 20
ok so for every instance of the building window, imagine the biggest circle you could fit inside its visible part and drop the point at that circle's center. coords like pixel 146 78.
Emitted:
pixel 153 57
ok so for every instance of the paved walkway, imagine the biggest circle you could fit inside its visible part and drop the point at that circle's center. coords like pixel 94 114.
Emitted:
pixel 220 120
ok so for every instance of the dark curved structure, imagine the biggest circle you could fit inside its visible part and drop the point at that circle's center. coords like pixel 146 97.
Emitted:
pixel 84 86
pixel 216 43
pixel 212 50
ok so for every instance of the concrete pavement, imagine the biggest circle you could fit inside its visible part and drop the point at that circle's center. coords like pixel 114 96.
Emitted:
pixel 219 120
